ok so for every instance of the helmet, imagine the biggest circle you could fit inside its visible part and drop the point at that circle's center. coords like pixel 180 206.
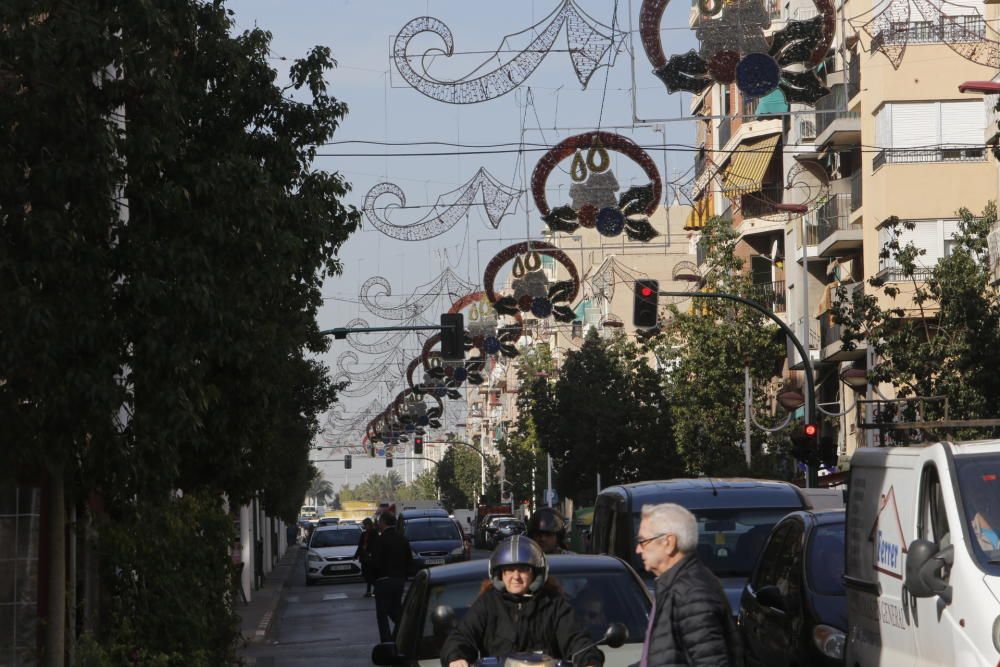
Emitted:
pixel 547 520
pixel 519 550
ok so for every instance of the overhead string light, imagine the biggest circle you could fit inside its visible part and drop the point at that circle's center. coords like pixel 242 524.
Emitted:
pixel 588 42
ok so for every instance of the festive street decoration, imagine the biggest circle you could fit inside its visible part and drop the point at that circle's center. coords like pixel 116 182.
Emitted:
pixel 448 283
pixel 735 48
pixel 594 204
pixel 964 30
pixel 448 210
pixel 532 291
pixel 588 42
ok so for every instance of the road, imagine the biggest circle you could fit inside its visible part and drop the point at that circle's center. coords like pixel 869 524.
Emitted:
pixel 328 625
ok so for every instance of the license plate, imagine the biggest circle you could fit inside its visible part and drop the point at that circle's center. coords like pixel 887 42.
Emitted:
pixel 435 561
pixel 340 567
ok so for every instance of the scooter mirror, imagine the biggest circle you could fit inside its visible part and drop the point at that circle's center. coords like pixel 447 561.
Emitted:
pixel 443 619
pixel 615 635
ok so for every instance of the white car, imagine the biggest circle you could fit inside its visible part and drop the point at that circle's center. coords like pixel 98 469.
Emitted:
pixel 331 553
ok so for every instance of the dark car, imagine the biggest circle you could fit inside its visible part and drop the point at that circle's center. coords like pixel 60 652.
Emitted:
pixel 794 608
pixel 734 516
pixel 507 528
pixel 486 529
pixel 602 590
pixel 435 540
pixel 410 515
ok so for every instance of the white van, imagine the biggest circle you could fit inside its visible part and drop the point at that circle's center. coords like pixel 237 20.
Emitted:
pixel 922 566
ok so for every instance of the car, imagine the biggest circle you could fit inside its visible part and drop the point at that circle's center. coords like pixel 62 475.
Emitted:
pixel 602 590
pixel 507 528
pixel 330 553
pixel 328 521
pixel 794 607
pixel 734 516
pixel 411 514
pixel 434 540
pixel 484 534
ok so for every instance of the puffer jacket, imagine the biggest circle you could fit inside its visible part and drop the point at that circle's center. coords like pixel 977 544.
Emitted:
pixel 498 624
pixel 693 625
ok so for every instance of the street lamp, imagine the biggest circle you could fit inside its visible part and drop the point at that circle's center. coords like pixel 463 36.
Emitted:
pixel 791 400
pixel 855 378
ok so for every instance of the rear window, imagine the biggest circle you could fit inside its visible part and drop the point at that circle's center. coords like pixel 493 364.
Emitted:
pixel 434 529
pixel 825 567
pixel 598 599
pixel 334 538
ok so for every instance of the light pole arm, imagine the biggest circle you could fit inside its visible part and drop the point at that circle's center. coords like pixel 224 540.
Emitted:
pixel 810 416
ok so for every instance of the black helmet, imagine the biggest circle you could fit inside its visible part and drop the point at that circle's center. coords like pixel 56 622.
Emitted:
pixel 547 520
pixel 519 550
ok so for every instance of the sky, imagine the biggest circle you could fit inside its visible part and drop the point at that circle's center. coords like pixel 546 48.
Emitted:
pixel 548 107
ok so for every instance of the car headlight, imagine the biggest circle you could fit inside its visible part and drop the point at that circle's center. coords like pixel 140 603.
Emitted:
pixel 414 554
pixel 458 551
pixel 996 634
pixel 829 640
pixel 315 558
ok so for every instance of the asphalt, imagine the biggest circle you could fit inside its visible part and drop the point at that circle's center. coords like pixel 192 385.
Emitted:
pixel 289 624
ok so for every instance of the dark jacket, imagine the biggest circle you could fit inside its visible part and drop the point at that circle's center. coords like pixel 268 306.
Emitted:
pixel 693 625
pixel 364 554
pixel 390 554
pixel 498 624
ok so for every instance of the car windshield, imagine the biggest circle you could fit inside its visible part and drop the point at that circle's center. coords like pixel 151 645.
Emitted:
pixel 598 598
pixel 825 567
pixel 729 540
pixel 979 480
pixel 433 529
pixel 334 538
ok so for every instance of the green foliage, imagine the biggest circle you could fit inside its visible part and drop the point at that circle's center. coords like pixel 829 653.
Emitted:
pixel 948 343
pixel 607 415
pixel 459 476
pixel 705 351
pixel 320 488
pixel 377 487
pixel 424 487
pixel 170 585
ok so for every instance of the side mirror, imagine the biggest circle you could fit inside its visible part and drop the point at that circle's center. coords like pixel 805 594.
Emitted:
pixel 385 654
pixel 770 596
pixel 924 563
pixel 615 635
pixel 443 619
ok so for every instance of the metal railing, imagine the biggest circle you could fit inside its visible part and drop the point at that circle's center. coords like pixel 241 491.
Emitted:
pixel 945 153
pixel 834 215
pixel 807 129
pixel 771 295
pixel 968 29
pixel 833 107
pixel 853 76
pixel 725 131
pixel 856 191
pixel 699 164
pixel 830 332
pixel 891 273
pixel 758 204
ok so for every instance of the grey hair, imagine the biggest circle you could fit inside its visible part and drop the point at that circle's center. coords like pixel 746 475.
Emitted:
pixel 674 519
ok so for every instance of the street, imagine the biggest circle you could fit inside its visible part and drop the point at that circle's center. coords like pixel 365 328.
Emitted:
pixel 328 625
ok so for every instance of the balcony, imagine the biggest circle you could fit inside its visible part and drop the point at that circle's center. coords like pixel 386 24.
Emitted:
pixel 813 347
pixel 856 191
pixel 945 153
pixel 770 295
pixel 760 204
pixel 968 29
pixel 831 333
pixel 853 77
pixel 725 132
pixel 836 235
pixel 835 125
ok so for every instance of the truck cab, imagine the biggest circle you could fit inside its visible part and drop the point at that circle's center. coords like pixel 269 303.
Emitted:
pixel 922 566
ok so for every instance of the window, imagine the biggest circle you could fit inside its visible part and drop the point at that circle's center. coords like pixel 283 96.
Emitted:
pixel 826 560
pixel 935 237
pixel 932 521
pixel 432 529
pixel 910 132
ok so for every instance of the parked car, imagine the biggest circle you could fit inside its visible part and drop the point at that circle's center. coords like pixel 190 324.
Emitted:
pixel 484 535
pixel 794 607
pixel 331 552
pixel 602 590
pixel 507 528
pixel 734 518
pixel 435 540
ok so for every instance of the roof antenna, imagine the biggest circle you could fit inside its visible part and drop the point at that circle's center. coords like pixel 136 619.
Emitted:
pixel 715 491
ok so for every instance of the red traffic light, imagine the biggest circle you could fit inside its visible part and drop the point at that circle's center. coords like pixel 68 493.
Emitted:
pixel 810 430
pixel 646 291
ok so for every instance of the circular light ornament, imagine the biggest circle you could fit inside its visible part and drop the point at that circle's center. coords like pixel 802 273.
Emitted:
pixel 757 74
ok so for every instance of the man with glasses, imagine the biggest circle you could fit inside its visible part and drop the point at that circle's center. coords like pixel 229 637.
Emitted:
pixel 691 623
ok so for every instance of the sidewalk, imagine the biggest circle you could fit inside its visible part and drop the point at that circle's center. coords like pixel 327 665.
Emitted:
pixel 256 616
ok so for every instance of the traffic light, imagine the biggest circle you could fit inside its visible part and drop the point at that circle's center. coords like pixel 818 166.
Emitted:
pixel 388 460
pixel 347 461
pixel 418 445
pixel 804 443
pixel 452 336
pixel 646 303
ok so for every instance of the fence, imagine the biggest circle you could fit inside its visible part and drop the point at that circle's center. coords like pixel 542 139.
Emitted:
pixel 945 153
pixel 833 107
pixel 771 295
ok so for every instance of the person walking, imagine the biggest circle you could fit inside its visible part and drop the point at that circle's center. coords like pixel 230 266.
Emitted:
pixel 364 555
pixel 690 623
pixel 391 558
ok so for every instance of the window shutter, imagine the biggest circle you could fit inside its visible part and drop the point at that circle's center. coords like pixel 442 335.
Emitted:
pixel 883 126
pixel 915 124
pixel 926 235
pixel 962 123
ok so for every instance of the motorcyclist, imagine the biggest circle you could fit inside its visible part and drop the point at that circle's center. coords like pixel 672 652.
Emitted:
pixel 519 609
pixel 547 527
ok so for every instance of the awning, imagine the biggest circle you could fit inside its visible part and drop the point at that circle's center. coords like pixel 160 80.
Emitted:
pixel 701 212
pixel 748 164
pixel 772 103
pixel 581 309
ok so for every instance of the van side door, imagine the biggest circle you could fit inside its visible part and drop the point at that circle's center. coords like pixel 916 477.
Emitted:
pixel 934 624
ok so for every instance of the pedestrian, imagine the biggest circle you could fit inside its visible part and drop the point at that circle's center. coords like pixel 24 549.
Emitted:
pixel 547 527
pixel 391 558
pixel 690 623
pixel 364 555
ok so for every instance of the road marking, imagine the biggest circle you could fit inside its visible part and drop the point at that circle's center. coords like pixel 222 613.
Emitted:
pixel 335 596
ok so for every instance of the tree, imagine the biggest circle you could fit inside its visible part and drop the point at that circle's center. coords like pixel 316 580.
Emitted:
pixel 704 352
pixel 424 487
pixel 459 476
pixel 948 343
pixel 320 489
pixel 379 487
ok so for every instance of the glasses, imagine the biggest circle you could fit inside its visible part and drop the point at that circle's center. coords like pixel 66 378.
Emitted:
pixel 642 543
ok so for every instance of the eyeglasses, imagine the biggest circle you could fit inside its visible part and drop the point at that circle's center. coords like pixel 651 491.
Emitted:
pixel 642 543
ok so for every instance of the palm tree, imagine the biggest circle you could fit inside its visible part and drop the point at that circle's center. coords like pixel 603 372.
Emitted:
pixel 380 487
pixel 320 489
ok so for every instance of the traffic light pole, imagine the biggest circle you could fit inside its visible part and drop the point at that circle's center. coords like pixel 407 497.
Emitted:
pixel 341 332
pixel 810 404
